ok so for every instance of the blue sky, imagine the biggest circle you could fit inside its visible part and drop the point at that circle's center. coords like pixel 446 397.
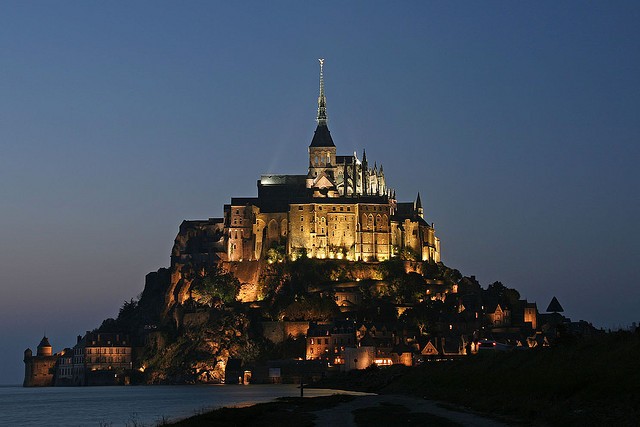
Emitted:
pixel 518 123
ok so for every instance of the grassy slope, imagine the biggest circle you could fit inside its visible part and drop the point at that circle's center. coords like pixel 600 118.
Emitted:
pixel 587 383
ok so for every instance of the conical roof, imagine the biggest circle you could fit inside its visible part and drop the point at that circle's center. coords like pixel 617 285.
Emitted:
pixel 44 342
pixel 554 306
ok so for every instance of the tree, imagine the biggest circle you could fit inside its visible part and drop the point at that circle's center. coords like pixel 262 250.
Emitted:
pixel 216 285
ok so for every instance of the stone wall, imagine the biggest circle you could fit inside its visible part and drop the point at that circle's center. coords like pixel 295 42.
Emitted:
pixel 277 332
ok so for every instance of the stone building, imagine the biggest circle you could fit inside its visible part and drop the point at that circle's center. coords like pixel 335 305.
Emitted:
pixel 39 370
pixel 341 208
pixel 100 359
pixel 330 341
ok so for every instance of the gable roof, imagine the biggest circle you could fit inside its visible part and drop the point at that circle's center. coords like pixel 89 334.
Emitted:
pixel 429 350
pixel 554 306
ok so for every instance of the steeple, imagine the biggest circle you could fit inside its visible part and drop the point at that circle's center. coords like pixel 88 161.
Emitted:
pixel 322 136
pixel 322 101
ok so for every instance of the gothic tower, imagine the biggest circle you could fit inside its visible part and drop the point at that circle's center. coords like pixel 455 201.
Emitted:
pixel 322 151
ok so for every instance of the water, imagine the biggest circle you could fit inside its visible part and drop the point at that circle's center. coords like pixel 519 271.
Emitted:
pixel 129 406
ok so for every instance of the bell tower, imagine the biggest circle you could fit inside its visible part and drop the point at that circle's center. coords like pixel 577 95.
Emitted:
pixel 322 150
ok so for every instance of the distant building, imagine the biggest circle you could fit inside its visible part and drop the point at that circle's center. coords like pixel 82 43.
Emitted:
pixel 39 370
pixel 328 342
pixel 100 359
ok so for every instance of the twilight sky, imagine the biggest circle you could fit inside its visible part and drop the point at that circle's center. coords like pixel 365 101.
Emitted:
pixel 518 122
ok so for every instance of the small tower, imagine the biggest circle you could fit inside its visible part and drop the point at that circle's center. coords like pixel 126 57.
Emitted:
pixel 44 348
pixel 38 369
pixel 365 173
pixel 418 207
pixel 382 185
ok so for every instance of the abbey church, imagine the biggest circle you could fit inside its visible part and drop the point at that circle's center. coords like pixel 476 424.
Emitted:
pixel 341 208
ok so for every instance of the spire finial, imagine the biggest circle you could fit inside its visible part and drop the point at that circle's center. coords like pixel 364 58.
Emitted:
pixel 322 101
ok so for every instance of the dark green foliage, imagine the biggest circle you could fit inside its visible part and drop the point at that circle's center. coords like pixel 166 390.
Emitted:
pixel 215 285
pixel 500 293
pixel 311 307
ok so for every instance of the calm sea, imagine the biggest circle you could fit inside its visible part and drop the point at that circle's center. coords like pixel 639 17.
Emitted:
pixel 129 406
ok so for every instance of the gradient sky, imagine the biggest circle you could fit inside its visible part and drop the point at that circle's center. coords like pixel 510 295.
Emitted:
pixel 518 122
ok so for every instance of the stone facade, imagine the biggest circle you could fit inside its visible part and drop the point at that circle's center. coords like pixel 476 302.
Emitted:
pixel 39 370
pixel 340 208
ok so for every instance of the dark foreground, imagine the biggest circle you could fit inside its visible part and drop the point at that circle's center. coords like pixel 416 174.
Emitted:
pixel 341 410
pixel 577 383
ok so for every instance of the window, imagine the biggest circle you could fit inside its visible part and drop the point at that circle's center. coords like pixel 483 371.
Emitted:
pixel 301 228
pixel 299 208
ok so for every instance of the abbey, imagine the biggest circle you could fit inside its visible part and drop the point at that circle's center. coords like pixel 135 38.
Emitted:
pixel 342 208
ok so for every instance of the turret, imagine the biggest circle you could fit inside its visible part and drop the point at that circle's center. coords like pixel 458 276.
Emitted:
pixel 44 348
pixel 365 173
pixel 418 207
pixel 382 184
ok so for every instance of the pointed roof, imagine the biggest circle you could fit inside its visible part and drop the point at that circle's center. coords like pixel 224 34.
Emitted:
pixel 322 136
pixel 44 342
pixel 364 155
pixel 418 202
pixel 322 100
pixel 554 306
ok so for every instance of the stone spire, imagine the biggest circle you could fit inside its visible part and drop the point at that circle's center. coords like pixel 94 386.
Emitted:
pixel 322 136
pixel 322 101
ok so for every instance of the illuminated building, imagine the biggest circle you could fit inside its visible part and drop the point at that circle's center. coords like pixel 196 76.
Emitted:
pixel 341 208
pixel 39 369
pixel 101 359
